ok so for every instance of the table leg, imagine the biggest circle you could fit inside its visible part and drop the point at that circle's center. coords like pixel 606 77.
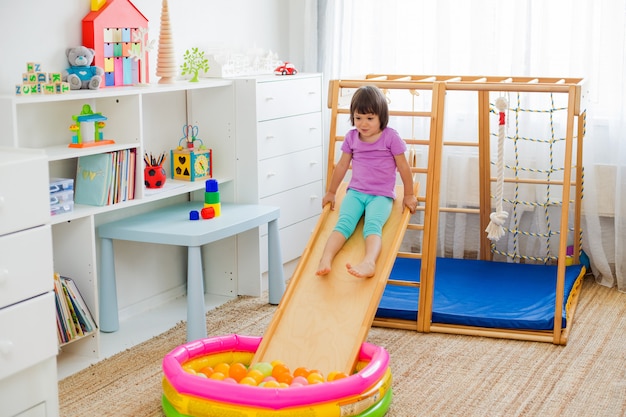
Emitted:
pixel 196 322
pixel 276 275
pixel 109 320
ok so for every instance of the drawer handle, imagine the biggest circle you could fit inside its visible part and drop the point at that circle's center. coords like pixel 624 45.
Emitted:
pixel 314 197
pixel 1 200
pixel 271 174
pixel 270 98
pixel 6 347
pixel 313 163
pixel 312 93
pixel 270 137
pixel 4 275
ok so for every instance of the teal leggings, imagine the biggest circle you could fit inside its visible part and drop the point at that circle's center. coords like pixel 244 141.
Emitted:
pixel 354 204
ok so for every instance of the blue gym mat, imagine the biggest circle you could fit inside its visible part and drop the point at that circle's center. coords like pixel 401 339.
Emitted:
pixel 481 293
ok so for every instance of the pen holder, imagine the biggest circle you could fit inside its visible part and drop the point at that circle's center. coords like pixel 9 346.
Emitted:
pixel 154 176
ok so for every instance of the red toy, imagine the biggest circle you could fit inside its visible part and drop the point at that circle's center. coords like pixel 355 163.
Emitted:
pixel 286 69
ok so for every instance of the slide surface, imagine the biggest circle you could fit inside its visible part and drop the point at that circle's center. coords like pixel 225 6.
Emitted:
pixel 321 322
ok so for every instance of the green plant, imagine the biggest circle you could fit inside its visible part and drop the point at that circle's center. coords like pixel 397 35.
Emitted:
pixel 194 62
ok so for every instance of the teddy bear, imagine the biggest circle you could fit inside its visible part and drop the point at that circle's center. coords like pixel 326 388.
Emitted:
pixel 81 74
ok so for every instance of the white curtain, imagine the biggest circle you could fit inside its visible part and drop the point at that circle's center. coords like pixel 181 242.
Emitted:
pixel 558 38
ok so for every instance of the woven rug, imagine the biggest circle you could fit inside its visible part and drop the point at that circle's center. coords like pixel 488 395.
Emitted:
pixel 433 374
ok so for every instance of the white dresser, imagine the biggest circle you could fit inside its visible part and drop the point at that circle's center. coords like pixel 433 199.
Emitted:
pixel 28 340
pixel 280 153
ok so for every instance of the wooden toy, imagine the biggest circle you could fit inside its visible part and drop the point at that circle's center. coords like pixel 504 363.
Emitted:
pixel 35 81
pixel 189 162
pixel 166 58
pixel 112 29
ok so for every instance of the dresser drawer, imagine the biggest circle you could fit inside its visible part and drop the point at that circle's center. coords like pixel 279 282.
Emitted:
pixel 25 265
pixel 297 204
pixel 288 97
pixel 289 171
pixel 24 197
pixel 293 240
pixel 281 136
pixel 27 334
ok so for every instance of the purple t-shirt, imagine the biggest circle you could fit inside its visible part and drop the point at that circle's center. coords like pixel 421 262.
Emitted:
pixel 373 164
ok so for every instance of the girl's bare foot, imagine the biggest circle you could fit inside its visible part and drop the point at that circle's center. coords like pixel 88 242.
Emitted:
pixel 363 270
pixel 323 268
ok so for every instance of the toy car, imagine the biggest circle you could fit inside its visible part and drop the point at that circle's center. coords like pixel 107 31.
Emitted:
pixel 286 69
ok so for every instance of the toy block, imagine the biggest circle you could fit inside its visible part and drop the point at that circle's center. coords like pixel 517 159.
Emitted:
pixel 212 197
pixel 42 77
pixel 217 208
pixel 207 213
pixel 31 77
pixel 55 77
pixel 27 89
pixel 33 67
pixel 62 87
pixel 211 186
pixel 18 89
pixel 49 88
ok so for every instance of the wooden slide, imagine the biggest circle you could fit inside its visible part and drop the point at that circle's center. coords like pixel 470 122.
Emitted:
pixel 321 322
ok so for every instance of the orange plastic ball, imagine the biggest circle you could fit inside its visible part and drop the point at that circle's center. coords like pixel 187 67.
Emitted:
pixel 207 370
pixel 285 377
pixel 280 369
pixel 222 367
pixel 237 371
pixel 301 371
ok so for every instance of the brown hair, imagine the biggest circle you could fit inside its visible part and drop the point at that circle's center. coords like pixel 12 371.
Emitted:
pixel 369 99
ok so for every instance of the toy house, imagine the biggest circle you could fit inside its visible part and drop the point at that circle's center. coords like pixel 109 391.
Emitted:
pixel 116 30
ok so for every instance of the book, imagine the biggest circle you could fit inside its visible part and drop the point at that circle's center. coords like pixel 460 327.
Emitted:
pixel 67 326
pixel 74 320
pixel 83 314
pixel 93 179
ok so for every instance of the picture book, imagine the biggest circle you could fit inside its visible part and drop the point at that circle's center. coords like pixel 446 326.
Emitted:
pixel 93 179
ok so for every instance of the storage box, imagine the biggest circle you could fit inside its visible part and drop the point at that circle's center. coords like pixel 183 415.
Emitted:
pixel 61 208
pixel 61 184
pixel 61 195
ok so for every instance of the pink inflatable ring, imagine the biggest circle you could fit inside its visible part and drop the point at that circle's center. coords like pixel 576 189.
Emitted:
pixel 188 394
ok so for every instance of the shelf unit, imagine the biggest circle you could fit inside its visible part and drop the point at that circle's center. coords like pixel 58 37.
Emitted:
pixel 148 119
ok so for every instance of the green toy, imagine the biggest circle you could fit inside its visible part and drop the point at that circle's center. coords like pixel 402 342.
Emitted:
pixel 194 62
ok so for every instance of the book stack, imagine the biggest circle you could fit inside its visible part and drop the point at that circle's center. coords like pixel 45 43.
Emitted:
pixel 105 178
pixel 74 320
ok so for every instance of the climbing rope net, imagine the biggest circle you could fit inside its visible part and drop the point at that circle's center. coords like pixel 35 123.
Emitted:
pixel 550 176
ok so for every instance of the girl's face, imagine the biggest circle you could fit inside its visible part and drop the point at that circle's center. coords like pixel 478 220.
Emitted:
pixel 368 125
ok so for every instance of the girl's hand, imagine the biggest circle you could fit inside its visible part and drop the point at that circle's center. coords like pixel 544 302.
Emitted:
pixel 410 202
pixel 329 198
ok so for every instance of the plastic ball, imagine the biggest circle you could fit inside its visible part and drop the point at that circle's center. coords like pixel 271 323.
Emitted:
pixel 264 367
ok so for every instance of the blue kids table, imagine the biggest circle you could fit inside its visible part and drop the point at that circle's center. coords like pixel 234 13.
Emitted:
pixel 171 226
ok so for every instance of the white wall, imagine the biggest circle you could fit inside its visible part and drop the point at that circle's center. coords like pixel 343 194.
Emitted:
pixel 41 30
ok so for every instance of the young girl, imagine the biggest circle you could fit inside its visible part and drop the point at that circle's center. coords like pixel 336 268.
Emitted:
pixel 376 152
